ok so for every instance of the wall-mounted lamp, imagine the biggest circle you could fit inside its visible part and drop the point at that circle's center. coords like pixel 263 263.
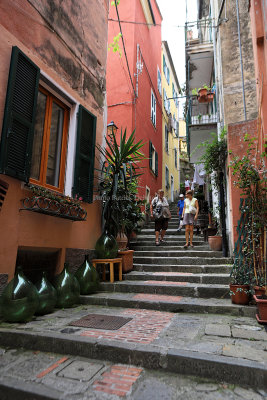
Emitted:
pixel 112 129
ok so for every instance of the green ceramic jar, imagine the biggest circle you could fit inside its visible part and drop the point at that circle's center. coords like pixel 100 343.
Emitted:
pixel 106 246
pixel 67 287
pixel 87 277
pixel 47 296
pixel 19 300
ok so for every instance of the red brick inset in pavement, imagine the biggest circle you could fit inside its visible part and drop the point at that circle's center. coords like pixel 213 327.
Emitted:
pixel 145 327
pixel 172 273
pixel 167 283
pixel 158 297
pixel 52 367
pixel 118 380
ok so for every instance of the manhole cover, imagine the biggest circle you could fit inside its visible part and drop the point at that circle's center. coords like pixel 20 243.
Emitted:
pixel 98 321
pixel 80 370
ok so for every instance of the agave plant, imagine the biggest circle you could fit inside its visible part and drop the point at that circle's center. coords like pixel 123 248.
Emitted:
pixel 119 171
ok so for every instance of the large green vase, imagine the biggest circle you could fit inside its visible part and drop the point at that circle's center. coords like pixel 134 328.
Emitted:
pixel 67 287
pixel 87 276
pixel 47 296
pixel 19 300
pixel 106 246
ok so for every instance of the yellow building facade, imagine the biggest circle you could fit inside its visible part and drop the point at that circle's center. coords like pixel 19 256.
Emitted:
pixel 170 126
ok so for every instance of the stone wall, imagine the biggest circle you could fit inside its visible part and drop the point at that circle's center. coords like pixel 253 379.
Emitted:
pixel 231 70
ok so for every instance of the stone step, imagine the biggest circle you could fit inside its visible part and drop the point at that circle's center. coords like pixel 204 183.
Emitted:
pixel 176 304
pixel 216 269
pixel 181 260
pixel 177 253
pixel 168 288
pixel 170 231
pixel 166 247
pixel 158 352
pixel 222 279
pixel 169 239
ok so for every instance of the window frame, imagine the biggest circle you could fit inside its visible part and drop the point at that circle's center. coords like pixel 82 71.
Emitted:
pixel 45 143
pixel 166 139
pixel 159 85
pixel 167 177
pixel 153 111
pixel 153 158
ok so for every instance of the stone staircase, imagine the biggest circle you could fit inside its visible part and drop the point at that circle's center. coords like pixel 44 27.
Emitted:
pixel 171 278
pixel 181 319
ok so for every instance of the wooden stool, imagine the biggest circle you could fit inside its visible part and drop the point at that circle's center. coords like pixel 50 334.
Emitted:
pixel 111 262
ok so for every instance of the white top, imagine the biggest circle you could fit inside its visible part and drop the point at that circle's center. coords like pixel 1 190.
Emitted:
pixel 188 203
pixel 163 202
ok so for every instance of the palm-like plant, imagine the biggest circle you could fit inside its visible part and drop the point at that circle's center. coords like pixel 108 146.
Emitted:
pixel 119 170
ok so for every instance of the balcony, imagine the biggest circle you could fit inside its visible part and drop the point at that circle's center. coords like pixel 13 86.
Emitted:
pixel 201 121
pixel 199 32
pixel 199 54
pixel 201 114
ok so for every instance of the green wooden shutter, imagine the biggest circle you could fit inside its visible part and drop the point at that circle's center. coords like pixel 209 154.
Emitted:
pixel 19 116
pixel 156 164
pixel 150 154
pixel 85 155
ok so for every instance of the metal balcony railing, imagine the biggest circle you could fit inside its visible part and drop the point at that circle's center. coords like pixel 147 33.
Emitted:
pixel 201 113
pixel 198 32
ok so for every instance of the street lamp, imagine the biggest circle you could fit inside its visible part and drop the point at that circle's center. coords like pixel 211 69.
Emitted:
pixel 112 129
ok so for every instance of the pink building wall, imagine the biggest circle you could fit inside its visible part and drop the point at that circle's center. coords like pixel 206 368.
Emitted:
pixel 135 113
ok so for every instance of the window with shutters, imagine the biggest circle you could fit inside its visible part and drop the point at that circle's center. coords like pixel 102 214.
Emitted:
pixel 153 108
pixel 49 141
pixel 35 129
pixel 175 158
pixel 168 75
pixel 166 139
pixel 159 81
pixel 153 159
pixel 167 178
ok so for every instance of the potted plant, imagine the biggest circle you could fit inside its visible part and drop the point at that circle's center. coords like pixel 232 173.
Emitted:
pixel 49 202
pixel 214 160
pixel 118 186
pixel 250 248
pixel 199 117
pixel 261 302
pixel 214 237
pixel 240 282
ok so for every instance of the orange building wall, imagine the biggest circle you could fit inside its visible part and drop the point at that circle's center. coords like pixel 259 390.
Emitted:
pixel 123 109
pixel 259 35
pixel 235 139
pixel 65 56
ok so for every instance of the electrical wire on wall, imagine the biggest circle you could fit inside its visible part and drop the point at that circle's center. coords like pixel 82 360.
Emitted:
pixel 124 50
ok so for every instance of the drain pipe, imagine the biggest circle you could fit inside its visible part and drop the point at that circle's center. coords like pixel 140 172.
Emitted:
pixel 241 58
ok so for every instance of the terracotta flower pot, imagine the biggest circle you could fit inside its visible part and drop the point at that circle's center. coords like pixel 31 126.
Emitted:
pixel 122 240
pixel 240 294
pixel 215 243
pixel 259 290
pixel 262 309
pixel 202 92
pixel 210 97
pixel 127 260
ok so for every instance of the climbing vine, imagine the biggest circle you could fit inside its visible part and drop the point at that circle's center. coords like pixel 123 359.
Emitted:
pixel 115 44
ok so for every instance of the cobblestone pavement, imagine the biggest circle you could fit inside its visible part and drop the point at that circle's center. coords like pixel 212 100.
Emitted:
pixel 237 337
pixel 38 375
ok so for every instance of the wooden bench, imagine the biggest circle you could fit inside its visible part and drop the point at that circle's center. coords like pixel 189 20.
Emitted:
pixel 110 262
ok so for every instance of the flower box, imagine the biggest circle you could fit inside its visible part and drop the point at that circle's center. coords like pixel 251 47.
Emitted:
pixel 44 201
